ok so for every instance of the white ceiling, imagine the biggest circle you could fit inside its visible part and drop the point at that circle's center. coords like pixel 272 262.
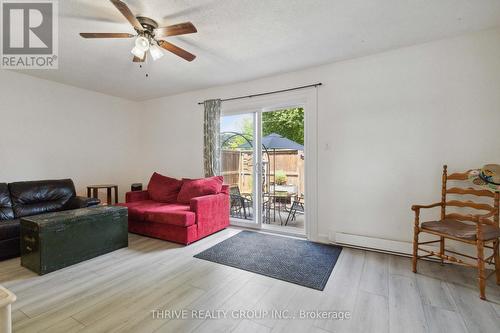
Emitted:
pixel 240 40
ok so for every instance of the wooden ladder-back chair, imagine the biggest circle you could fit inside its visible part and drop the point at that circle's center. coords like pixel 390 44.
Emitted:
pixel 481 230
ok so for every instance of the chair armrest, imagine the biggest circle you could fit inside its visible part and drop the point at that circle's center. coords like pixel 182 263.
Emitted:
pixel 6 297
pixel 136 196
pixel 417 207
pixel 81 202
pixel 482 218
pixel 239 197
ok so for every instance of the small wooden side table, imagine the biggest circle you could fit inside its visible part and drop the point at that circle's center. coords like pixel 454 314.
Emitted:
pixel 93 191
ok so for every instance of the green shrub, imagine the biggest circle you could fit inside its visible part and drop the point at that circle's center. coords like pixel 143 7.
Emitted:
pixel 280 177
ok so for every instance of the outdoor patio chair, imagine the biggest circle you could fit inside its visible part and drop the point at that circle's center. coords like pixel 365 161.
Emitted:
pixel 240 205
pixel 266 209
pixel 297 207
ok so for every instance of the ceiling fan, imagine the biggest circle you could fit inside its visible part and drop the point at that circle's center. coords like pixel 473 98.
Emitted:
pixel 147 35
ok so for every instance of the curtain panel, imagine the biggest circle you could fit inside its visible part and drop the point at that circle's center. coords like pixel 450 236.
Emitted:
pixel 211 138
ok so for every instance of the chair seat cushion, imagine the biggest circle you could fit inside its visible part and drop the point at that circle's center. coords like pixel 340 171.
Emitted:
pixel 462 230
pixel 178 215
pixel 9 229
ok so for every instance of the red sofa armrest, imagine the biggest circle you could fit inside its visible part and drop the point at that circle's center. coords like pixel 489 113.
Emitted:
pixel 212 212
pixel 136 196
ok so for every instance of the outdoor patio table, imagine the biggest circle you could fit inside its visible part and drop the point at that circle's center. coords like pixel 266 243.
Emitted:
pixel 278 200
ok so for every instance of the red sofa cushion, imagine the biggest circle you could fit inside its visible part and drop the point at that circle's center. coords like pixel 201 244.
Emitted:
pixel 192 188
pixel 169 232
pixel 181 218
pixel 136 196
pixel 163 189
pixel 137 209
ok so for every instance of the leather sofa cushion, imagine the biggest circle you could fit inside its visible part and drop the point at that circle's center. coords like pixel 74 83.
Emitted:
pixel 9 248
pixel 6 211
pixel 163 189
pixel 9 229
pixel 192 188
pixel 461 230
pixel 81 202
pixel 181 218
pixel 37 197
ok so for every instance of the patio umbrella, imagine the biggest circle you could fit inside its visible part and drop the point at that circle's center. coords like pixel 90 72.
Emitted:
pixel 276 141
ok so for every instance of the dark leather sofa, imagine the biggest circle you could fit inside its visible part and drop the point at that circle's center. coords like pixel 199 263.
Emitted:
pixel 32 198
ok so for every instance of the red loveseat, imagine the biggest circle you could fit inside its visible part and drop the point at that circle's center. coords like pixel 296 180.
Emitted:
pixel 183 215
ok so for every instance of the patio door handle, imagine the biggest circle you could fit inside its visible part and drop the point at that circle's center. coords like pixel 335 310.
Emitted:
pixel 258 168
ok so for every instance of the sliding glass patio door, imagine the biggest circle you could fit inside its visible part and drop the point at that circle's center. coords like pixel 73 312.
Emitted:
pixel 263 162
pixel 240 166
pixel 282 143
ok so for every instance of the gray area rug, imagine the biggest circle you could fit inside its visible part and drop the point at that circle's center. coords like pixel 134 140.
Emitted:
pixel 293 260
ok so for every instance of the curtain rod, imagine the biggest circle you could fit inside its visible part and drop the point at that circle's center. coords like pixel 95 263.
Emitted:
pixel 269 93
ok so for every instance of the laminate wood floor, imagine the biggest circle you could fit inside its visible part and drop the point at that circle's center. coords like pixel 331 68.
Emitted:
pixel 119 291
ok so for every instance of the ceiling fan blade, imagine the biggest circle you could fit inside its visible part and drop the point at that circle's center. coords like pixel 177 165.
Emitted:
pixel 123 8
pixel 176 50
pixel 176 29
pixel 105 35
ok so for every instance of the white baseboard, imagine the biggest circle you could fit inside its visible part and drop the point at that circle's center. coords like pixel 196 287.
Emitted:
pixel 322 238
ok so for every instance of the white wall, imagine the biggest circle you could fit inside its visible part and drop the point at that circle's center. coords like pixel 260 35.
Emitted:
pixel 49 130
pixel 386 125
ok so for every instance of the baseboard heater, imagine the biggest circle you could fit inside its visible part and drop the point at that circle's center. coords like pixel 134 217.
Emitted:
pixel 384 245
pixel 375 244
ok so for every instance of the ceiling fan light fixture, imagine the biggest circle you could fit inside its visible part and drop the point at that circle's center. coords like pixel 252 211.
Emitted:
pixel 138 52
pixel 142 43
pixel 156 52
pixel 146 29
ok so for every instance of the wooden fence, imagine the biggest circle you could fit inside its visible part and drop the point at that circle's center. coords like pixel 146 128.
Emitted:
pixel 238 167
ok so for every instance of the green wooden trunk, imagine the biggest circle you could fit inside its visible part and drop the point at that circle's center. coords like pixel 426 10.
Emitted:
pixel 55 240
